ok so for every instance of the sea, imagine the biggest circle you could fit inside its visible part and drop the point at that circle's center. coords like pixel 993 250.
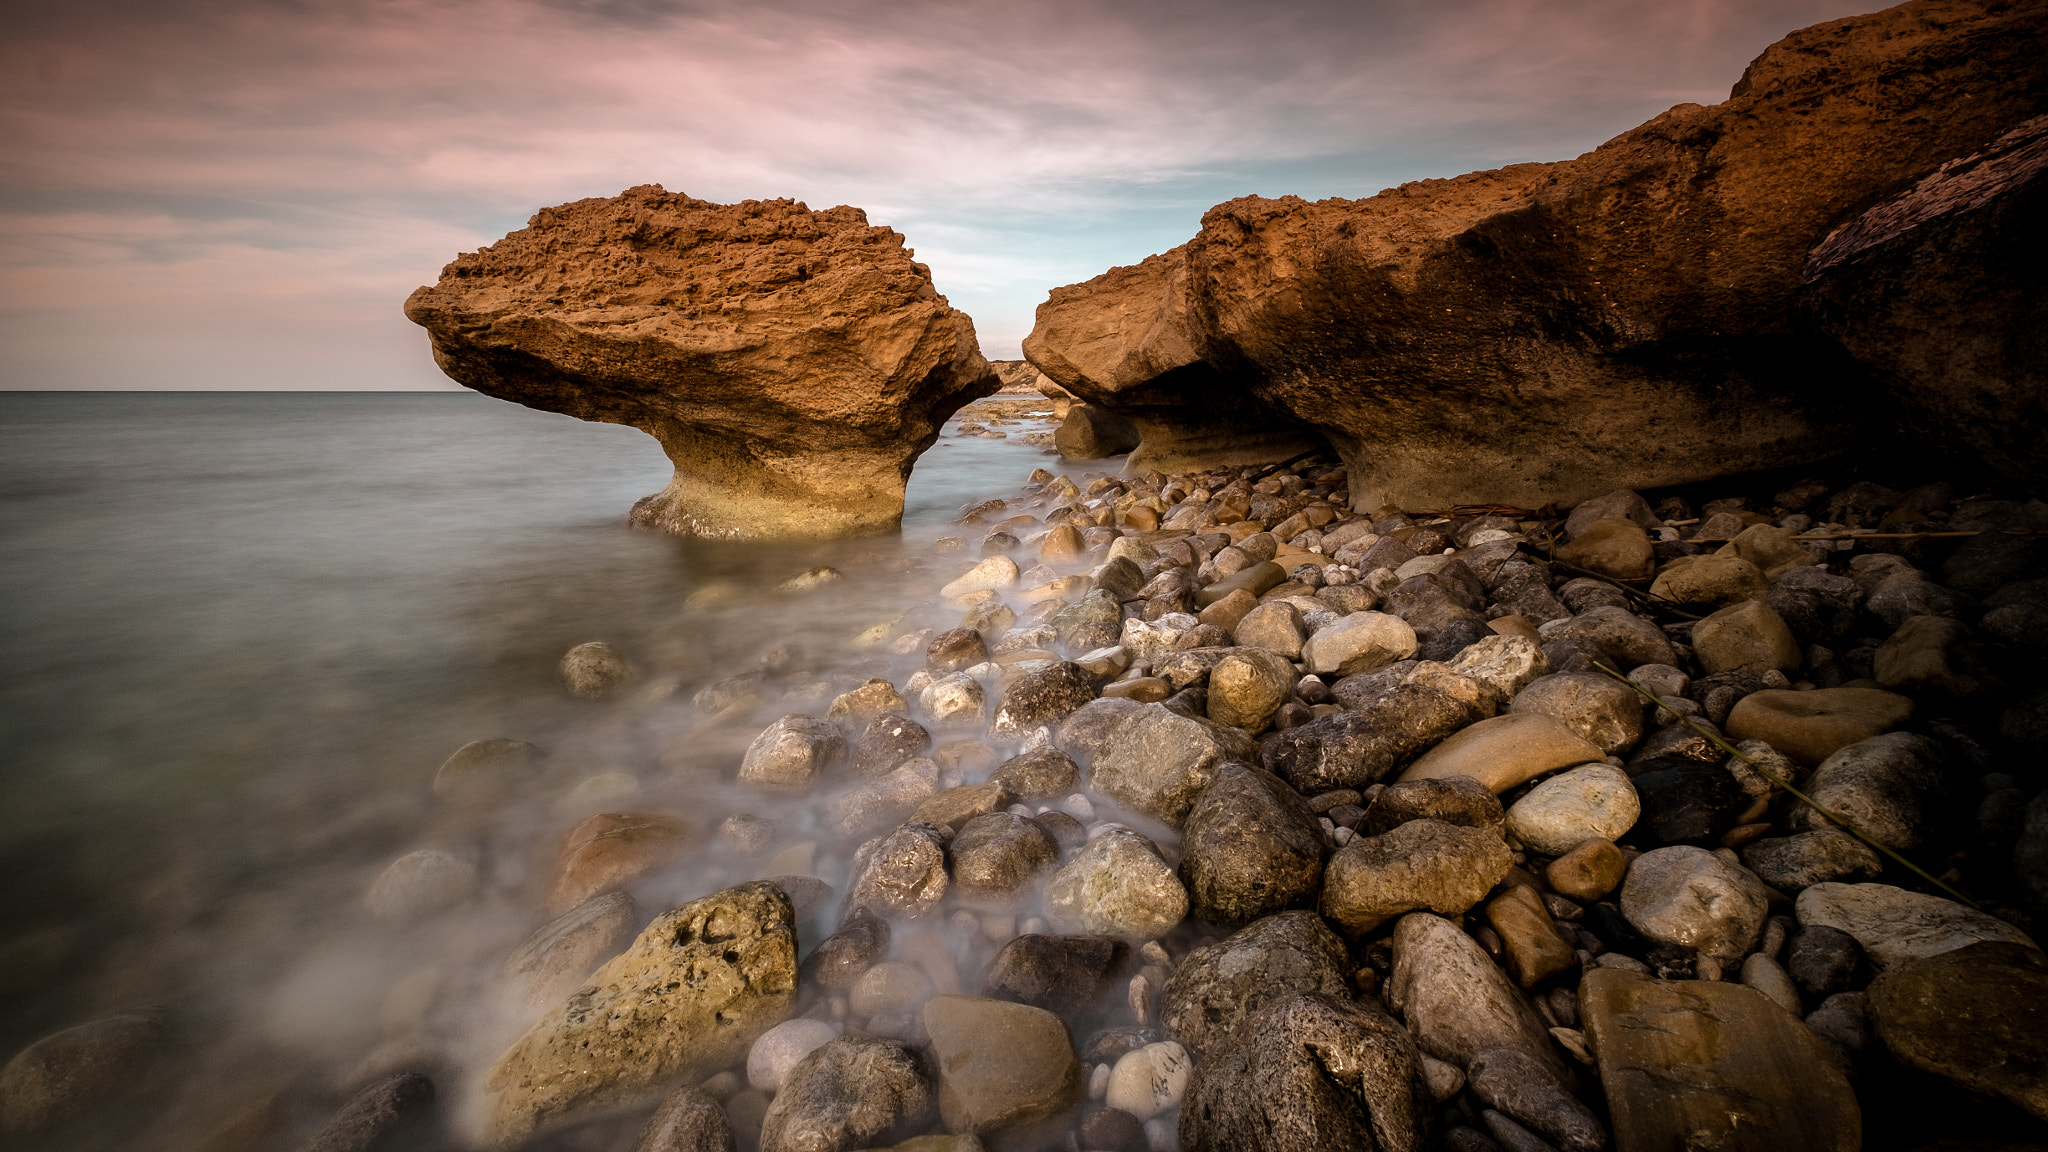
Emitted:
pixel 239 632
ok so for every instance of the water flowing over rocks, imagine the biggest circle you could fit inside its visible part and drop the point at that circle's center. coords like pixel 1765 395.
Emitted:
pixel 792 363
pixel 686 999
pixel 1627 318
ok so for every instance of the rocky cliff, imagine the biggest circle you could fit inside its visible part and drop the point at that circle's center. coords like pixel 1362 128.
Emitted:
pixel 792 363
pixel 1511 335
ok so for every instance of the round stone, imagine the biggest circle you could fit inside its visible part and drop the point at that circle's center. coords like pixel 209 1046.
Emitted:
pixel 781 1047
pixel 1594 801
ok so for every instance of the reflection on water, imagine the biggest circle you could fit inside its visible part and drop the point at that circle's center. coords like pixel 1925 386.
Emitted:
pixel 239 634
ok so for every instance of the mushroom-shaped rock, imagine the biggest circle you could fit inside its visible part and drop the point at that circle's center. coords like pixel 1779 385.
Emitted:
pixel 792 363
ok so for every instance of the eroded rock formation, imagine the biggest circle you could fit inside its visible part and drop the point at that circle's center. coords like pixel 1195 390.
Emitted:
pixel 792 363
pixel 1943 291
pixel 1540 331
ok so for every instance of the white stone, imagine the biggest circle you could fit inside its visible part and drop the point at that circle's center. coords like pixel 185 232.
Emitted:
pixel 955 699
pixel 1150 1080
pixel 1764 974
pixel 1506 664
pixel 781 1047
pixel 1893 924
pixel 992 573
pixel 1595 801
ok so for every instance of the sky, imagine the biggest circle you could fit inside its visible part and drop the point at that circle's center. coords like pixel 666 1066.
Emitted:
pixel 240 195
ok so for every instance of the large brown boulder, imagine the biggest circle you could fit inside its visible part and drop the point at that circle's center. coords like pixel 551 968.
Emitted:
pixel 792 363
pixel 1943 292
pixel 1553 331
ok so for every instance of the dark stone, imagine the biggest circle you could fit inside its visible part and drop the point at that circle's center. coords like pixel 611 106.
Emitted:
pixel 375 1114
pixel 1977 1015
pixel 1120 578
pixel 1042 699
pixel 1082 734
pixel 1250 848
pixel 688 1121
pixel 1218 987
pixel 1090 432
pixel 1817 606
pixel 860 942
pixel 998 544
pixel 889 740
pixel 1112 1130
pixel 1066 831
pixel 995 858
pixel 956 649
pixel 1397 715
pixel 1685 800
pixel 1458 800
pixel 1453 638
pixel 1065 975
pixel 1607 922
pixel 1040 774
pixel 1823 961
pixel 1672 961
pixel 1110 1044
pixel 1318 1074
pixel 1572 655
pixel 851 1092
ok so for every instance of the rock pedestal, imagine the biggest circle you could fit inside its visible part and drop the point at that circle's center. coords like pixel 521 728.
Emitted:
pixel 792 363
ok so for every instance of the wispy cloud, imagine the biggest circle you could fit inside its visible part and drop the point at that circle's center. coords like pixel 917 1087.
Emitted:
pixel 241 195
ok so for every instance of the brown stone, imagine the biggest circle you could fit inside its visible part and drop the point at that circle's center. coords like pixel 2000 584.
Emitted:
pixel 1665 266
pixel 1529 937
pixel 792 363
pixel 1587 872
pixel 1977 1015
pixel 1814 725
pixel 1617 549
pixel 1701 1064
pixel 609 850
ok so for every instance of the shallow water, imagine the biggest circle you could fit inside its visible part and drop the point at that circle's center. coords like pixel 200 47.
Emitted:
pixel 241 631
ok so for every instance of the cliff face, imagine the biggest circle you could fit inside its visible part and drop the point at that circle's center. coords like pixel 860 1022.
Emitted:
pixel 1549 331
pixel 1943 292
pixel 792 363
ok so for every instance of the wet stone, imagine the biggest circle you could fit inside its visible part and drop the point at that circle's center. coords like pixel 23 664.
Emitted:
pixel 1458 800
pixel 792 754
pixel 1065 975
pixel 886 743
pixel 852 1092
pixel 1038 775
pixel 905 876
pixel 1218 987
pixel 1422 864
pixel 690 1120
pixel 841 957
pixel 998 858
pixel 1117 886
pixel 1250 847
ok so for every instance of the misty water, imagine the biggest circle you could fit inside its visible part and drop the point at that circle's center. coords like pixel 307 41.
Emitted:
pixel 241 632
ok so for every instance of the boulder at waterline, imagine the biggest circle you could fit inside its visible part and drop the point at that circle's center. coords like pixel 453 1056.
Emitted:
pixel 883 801
pixel 1318 1072
pixel 1001 1065
pixel 690 1120
pixel 688 998
pixel 793 411
pixel 1041 699
pixel 552 962
pixel 791 754
pixel 852 1092
pixel 1157 761
pixel 1421 864
pixel 594 670
pixel 905 876
pixel 1219 986
pixel 1894 925
pixel 1117 886
pixel 1065 975
pixel 485 771
pixel 1977 1015
pixel 375 1116
pixel 1040 774
pixel 1701 1064
pixel 1250 847
pixel 997 859
pixel 780 1048
pixel 70 1073
pixel 609 850
pixel 886 742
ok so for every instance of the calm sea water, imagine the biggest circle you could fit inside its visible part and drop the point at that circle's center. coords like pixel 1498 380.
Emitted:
pixel 239 632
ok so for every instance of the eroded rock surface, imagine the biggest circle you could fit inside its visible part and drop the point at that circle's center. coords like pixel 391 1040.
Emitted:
pixel 1552 331
pixel 792 363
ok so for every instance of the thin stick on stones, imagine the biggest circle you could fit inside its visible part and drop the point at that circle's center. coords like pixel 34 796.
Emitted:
pixel 1780 782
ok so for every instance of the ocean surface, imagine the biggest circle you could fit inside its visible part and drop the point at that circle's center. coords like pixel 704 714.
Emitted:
pixel 239 633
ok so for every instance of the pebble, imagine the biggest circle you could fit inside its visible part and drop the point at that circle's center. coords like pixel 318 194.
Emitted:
pixel 779 1049
pixel 1589 871
pixel 1595 801
pixel 1149 1081
pixel 594 670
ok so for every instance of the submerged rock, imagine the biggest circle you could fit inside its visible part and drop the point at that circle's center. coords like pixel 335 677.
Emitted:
pixel 792 363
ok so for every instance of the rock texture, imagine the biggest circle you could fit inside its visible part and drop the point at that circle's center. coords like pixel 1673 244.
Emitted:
pixel 689 997
pixel 792 363
pixel 1942 291
pixel 1551 331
